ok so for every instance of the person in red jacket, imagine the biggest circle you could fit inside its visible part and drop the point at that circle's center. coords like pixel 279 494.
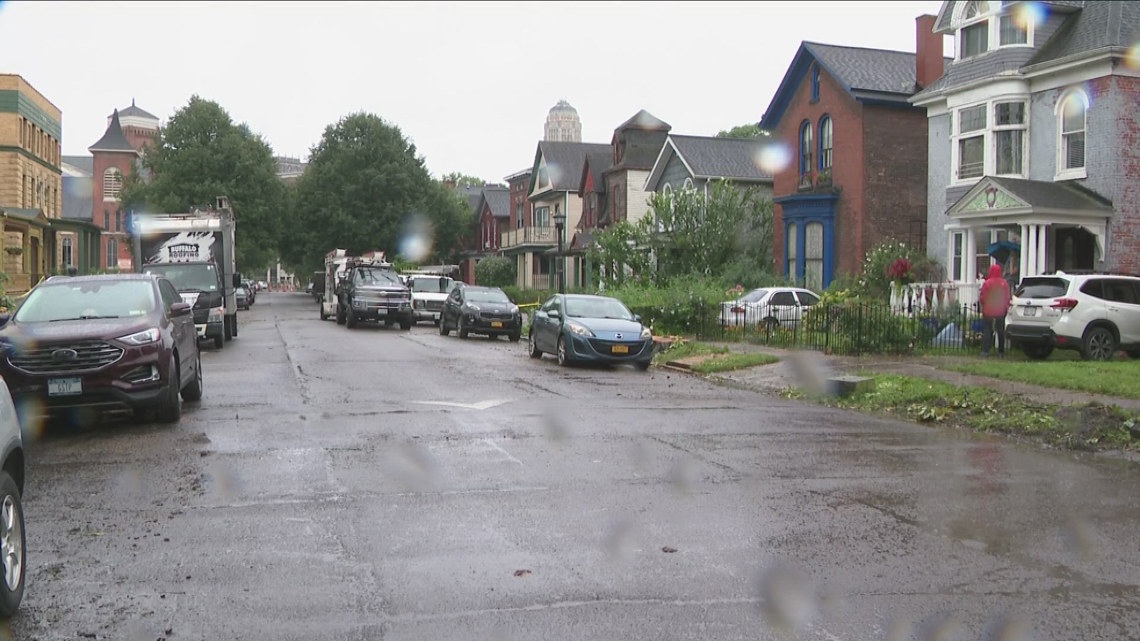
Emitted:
pixel 995 296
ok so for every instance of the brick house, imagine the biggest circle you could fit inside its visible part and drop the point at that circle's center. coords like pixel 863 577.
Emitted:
pixel 113 157
pixel 1034 137
pixel 493 212
pixel 857 152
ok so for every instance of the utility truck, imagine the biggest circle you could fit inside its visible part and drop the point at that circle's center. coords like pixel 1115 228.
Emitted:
pixel 195 252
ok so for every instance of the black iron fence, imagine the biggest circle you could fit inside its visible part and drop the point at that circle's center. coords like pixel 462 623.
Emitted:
pixel 853 328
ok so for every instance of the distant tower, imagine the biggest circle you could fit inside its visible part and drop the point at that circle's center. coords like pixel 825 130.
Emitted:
pixel 139 126
pixel 563 124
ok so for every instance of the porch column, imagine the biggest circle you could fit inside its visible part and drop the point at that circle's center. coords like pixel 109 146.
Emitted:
pixel 1042 241
pixel 971 273
pixel 1024 262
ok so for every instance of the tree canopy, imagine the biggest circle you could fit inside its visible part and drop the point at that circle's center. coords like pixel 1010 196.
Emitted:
pixel 724 232
pixel 749 130
pixel 464 180
pixel 201 154
pixel 365 188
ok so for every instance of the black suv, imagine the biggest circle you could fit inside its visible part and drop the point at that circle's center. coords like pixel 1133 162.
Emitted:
pixel 371 292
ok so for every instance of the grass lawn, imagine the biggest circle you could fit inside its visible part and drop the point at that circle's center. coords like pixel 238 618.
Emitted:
pixel 709 359
pixel 1114 378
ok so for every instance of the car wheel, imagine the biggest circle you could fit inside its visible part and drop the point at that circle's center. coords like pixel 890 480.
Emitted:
pixel 350 319
pixel 12 546
pixel 642 365
pixel 770 324
pixel 193 390
pixel 1037 351
pixel 462 329
pixel 340 316
pixel 171 409
pixel 227 327
pixel 219 342
pixel 233 327
pixel 1098 344
pixel 321 306
pixel 406 324
pixel 514 337
pixel 535 352
pixel 563 360
pixel 443 331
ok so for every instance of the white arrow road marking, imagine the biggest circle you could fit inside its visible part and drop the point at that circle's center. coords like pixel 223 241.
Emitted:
pixel 481 405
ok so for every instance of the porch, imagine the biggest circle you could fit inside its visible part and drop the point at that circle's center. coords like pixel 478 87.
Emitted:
pixel 528 236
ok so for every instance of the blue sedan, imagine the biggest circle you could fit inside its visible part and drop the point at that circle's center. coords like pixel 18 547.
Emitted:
pixel 600 329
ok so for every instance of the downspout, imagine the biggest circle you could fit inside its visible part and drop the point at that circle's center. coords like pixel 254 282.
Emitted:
pixel 565 229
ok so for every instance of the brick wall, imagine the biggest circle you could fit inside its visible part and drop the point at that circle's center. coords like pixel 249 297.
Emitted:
pixel 879 161
pixel 1124 229
pixel 894 202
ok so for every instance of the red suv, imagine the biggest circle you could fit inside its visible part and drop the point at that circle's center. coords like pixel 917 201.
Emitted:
pixel 110 343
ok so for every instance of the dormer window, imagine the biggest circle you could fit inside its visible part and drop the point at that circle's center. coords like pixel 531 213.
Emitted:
pixel 982 26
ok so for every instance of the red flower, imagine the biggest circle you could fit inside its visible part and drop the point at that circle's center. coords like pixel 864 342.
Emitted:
pixel 899 270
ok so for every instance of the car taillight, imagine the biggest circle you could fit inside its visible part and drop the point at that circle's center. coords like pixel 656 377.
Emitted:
pixel 1064 304
pixel 737 309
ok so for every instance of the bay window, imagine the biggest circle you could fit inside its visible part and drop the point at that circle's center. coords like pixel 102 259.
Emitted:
pixel 972 142
pixel 1009 137
pixel 991 139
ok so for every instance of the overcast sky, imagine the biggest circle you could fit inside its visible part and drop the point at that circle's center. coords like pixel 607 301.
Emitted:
pixel 470 83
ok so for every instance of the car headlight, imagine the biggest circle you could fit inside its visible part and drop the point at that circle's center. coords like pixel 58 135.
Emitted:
pixel 580 330
pixel 514 309
pixel 646 334
pixel 145 337
pixel 472 308
pixel 216 314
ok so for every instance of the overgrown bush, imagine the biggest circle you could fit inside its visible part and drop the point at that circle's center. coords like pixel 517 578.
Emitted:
pixel 895 261
pixel 684 306
pixel 520 296
pixel 495 271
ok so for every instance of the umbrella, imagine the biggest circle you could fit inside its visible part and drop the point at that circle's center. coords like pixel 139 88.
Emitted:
pixel 1002 249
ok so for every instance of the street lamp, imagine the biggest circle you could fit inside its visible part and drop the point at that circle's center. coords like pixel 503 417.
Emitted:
pixel 559 223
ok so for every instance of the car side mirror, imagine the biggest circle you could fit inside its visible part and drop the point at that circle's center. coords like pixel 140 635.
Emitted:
pixel 179 309
pixel 4 317
pixel 554 313
pixel 637 318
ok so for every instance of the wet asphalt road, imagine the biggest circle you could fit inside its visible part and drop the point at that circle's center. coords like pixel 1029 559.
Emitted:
pixel 380 484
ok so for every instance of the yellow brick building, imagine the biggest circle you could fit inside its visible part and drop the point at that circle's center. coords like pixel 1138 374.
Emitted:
pixel 30 179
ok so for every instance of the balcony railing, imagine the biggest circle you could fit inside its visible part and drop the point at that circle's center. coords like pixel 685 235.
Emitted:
pixel 546 236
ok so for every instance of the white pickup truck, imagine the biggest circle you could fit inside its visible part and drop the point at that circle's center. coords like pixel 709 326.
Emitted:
pixel 429 291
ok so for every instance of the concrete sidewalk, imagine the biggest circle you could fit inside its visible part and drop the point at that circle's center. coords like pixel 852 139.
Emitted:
pixel 806 369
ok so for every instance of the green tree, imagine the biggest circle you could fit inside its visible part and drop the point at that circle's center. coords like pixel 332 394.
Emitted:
pixel 365 188
pixel 201 154
pixel 495 271
pixel 725 232
pixel 750 130
pixel 463 180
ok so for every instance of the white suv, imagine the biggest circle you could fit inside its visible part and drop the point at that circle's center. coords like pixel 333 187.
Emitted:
pixel 1097 314
pixel 12 551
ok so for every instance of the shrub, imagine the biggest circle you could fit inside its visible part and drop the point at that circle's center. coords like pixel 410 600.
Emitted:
pixel 896 261
pixel 495 271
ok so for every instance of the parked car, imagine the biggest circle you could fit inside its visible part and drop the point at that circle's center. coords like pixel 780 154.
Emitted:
pixel 103 344
pixel 471 309
pixel 251 290
pixel 767 307
pixel 429 293
pixel 13 557
pixel 1096 314
pixel 244 296
pixel 580 327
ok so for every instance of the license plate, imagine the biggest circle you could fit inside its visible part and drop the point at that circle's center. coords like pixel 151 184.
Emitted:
pixel 619 349
pixel 496 323
pixel 65 386
pixel 1029 311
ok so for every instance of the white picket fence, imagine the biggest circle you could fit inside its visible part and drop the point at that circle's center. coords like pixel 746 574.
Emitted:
pixel 931 298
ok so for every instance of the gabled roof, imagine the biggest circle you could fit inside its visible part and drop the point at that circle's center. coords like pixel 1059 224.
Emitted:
pixel 136 112
pixel 498 200
pixel 33 216
pixel 564 162
pixel 865 74
pixel 644 121
pixel 113 139
pixel 595 165
pixel 993 193
pixel 711 158
pixel 78 199
pixel 942 24
pixel 1074 30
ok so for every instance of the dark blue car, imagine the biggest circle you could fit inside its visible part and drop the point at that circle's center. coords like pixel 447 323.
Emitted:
pixel 584 328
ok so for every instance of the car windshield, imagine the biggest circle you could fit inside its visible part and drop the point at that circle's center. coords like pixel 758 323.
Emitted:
pixel 87 300
pixel 203 278
pixel 434 285
pixel 597 308
pixel 377 277
pixel 1050 287
pixel 754 296
pixel 487 296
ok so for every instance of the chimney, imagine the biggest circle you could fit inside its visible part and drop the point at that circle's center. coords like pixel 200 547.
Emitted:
pixel 928 52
